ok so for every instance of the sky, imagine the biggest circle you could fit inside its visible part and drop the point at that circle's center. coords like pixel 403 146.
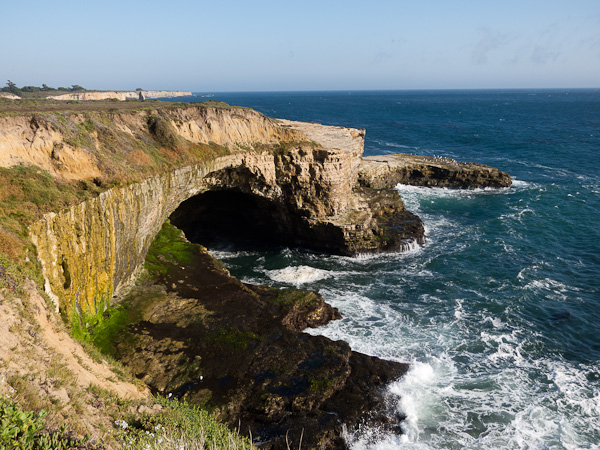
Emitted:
pixel 284 45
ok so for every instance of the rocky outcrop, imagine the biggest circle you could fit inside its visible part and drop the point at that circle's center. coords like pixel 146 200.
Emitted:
pixel 119 95
pixel 293 183
pixel 306 192
pixel 387 171
pixel 199 334
pixel 196 331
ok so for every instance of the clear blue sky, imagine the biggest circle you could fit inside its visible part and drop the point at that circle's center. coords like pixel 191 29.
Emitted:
pixel 262 45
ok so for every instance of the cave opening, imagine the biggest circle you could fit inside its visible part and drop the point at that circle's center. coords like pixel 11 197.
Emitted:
pixel 234 220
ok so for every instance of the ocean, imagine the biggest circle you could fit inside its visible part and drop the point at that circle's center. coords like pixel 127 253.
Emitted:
pixel 499 312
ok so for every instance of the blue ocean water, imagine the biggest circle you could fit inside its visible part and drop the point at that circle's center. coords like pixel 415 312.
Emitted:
pixel 499 313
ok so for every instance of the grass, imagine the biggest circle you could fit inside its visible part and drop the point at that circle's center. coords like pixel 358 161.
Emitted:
pixel 41 105
pixel 176 425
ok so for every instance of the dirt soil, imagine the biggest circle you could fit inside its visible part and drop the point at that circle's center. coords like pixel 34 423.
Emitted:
pixel 42 367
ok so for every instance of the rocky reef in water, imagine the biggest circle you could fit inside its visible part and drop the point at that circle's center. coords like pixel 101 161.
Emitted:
pixel 193 330
pixel 387 171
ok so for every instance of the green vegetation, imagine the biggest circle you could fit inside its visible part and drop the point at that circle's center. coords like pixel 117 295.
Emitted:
pixel 290 297
pixel 103 328
pixel 234 338
pixel 23 430
pixel 163 132
pixel 177 425
pixel 26 91
pixel 171 247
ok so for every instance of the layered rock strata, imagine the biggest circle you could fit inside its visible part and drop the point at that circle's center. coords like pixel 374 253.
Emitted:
pixel 387 171
pixel 92 250
pixel 119 95
pixel 308 181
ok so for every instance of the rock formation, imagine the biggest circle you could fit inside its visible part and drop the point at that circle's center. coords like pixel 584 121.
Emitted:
pixel 238 350
pixel 387 171
pixel 206 168
pixel 309 190
pixel 119 95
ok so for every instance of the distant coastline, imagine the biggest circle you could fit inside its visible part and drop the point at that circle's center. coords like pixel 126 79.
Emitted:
pixel 119 95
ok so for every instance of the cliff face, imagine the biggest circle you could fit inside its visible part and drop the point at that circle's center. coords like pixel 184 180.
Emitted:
pixel 307 184
pixel 84 146
pixel 120 95
pixel 305 175
pixel 90 251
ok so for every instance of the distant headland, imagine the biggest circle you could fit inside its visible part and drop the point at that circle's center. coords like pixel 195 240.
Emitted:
pixel 78 93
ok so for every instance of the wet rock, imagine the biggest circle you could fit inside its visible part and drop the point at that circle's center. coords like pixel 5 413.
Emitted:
pixel 239 350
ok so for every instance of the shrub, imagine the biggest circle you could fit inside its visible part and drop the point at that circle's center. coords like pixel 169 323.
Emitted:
pixel 23 430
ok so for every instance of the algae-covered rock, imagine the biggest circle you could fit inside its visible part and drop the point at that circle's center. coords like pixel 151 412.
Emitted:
pixel 202 335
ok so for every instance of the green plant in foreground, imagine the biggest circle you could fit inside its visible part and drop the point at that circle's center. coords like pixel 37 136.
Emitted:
pixel 23 430
pixel 177 425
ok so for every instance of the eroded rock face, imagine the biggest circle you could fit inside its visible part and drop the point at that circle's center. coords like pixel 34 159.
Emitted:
pixel 202 335
pixel 308 192
pixel 120 95
pixel 387 171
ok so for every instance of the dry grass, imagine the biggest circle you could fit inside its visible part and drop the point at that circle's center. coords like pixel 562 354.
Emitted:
pixel 11 245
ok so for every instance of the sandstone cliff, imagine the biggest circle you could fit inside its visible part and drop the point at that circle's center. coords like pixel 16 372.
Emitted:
pixel 302 178
pixel 386 171
pixel 114 178
pixel 119 95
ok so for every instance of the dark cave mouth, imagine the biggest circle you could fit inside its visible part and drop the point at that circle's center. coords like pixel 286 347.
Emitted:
pixel 234 220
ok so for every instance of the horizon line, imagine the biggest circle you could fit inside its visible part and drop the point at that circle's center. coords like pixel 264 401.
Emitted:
pixel 391 90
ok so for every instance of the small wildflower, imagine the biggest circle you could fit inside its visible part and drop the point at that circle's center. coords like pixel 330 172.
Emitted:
pixel 121 424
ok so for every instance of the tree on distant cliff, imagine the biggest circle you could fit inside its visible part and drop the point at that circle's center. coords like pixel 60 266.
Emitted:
pixel 12 88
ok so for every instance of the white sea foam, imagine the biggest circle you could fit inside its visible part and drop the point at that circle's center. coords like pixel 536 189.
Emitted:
pixel 519 183
pixel 492 398
pixel 395 145
pixel 298 275
pixel 230 254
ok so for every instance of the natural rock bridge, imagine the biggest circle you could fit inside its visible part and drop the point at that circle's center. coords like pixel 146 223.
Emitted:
pixel 310 188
